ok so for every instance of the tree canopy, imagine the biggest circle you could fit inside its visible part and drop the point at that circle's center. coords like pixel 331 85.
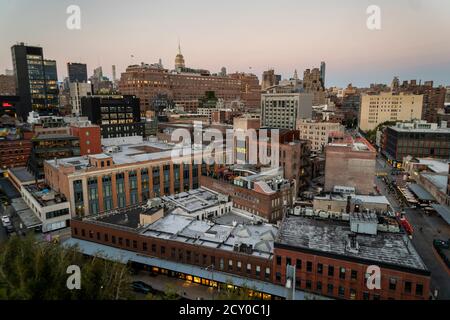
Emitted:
pixel 36 270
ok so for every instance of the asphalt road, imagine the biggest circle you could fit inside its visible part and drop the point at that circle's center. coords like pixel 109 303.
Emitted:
pixel 433 227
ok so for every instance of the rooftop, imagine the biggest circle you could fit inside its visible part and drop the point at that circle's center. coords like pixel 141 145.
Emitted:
pixel 44 195
pixel 439 180
pixel 258 237
pixel 123 154
pixel 22 174
pixel 362 198
pixel 227 233
pixel 194 200
pixel 435 165
pixel 128 217
pixel 331 237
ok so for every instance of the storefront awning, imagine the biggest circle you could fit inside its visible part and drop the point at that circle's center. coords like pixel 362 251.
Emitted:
pixel 420 192
pixel 443 211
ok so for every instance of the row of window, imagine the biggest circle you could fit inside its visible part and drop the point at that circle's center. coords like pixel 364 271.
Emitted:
pixel 181 255
pixel 342 274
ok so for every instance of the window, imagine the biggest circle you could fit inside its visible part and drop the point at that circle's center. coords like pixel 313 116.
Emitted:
pixel 408 286
pixel 288 261
pixel 258 270
pixel 267 272
pixel 163 250
pixel 298 283
pixel 278 276
pixel 330 271
pixel 319 286
pixel 419 289
pixel 330 289
pixel 249 268
pixel 341 291
pixel 392 283
pixel 352 294
pixel 308 284
pixel 319 268
pixel 309 266
pixel 221 263
pixel 144 246
pixel 106 238
pixel 354 274
pixel 230 265
pixel 153 247
pixel 239 265
pixel 342 273
pixel 278 261
pixel 299 264
pixel 366 295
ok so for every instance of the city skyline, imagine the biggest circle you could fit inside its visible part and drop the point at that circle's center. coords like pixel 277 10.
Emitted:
pixel 241 37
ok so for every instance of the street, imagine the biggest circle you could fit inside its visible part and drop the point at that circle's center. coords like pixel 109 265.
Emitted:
pixel 433 227
pixel 3 234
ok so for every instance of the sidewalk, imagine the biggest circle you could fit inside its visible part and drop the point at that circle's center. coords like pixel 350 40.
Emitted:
pixel 160 282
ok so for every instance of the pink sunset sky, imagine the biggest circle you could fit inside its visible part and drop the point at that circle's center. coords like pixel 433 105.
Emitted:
pixel 249 36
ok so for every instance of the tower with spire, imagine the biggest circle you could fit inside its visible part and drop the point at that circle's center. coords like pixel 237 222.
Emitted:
pixel 179 59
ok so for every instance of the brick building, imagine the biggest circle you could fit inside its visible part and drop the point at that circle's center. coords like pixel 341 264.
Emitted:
pixel 122 176
pixel 184 88
pixel 332 260
pixel 350 163
pixel 263 194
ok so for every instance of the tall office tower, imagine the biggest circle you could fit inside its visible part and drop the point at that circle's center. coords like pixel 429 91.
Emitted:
pixel 77 72
pixel 51 84
pixel 117 116
pixel 283 110
pixel 36 81
pixel 312 84
pixel 269 79
pixel 114 73
pixel 77 91
pixel 98 73
pixel 322 73
pixel 179 60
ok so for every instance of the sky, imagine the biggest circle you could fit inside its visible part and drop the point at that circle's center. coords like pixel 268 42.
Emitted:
pixel 241 35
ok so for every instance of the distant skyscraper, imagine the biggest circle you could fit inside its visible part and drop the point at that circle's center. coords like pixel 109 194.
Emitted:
pixel 77 91
pixel 36 81
pixel 179 59
pixel 283 110
pixel 322 73
pixel 114 73
pixel 77 72
pixel 269 79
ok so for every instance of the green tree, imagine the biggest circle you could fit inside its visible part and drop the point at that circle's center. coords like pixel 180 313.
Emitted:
pixel 34 270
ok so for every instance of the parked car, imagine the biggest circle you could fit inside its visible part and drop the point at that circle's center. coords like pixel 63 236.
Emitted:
pixel 142 287
pixel 6 220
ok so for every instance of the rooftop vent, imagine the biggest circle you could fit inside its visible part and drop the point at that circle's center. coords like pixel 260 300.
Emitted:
pixel 352 243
